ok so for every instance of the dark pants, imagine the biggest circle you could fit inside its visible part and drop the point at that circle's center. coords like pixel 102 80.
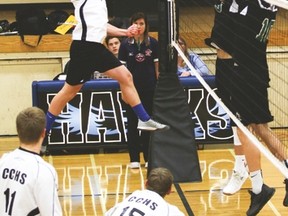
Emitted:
pixel 139 140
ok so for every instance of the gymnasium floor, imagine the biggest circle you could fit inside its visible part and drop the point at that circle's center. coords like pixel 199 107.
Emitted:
pixel 89 184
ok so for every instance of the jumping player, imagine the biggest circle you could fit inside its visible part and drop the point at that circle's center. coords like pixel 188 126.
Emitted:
pixel 250 100
pixel 151 200
pixel 28 184
pixel 222 40
pixel 88 54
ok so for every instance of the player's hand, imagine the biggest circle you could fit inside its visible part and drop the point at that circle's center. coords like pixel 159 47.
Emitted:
pixel 132 31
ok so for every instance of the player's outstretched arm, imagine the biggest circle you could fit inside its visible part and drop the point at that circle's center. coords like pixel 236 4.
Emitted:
pixel 114 31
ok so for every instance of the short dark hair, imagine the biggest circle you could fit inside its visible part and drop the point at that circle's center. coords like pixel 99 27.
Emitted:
pixel 160 181
pixel 110 37
pixel 30 124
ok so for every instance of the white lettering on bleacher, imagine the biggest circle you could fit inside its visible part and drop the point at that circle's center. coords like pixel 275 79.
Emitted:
pixel 102 118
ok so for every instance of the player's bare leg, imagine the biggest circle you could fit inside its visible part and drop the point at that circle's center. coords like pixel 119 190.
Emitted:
pixel 277 148
pixel 60 100
pixel 131 97
pixel 271 140
pixel 260 192
pixel 239 172
pixel 125 79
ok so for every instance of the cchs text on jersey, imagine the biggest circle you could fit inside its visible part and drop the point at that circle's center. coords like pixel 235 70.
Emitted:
pixel 15 175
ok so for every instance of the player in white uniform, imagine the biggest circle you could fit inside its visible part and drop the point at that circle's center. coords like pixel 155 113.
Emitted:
pixel 28 184
pixel 149 202
pixel 88 54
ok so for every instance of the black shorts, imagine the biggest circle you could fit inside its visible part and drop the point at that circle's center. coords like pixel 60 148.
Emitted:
pixel 86 58
pixel 250 100
pixel 225 79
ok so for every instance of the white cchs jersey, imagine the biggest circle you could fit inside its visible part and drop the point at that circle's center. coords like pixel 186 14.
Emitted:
pixel 28 185
pixel 92 19
pixel 146 203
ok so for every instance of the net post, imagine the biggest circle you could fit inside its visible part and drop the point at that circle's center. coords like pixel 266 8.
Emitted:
pixel 168 32
pixel 176 146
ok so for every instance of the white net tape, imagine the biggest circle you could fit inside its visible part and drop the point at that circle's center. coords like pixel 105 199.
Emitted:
pixel 280 166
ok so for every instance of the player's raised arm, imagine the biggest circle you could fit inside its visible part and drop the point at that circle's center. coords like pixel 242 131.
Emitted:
pixel 115 31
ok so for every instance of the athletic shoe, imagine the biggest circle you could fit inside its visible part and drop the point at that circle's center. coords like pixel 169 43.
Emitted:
pixel 285 201
pixel 134 165
pixel 235 183
pixel 151 125
pixel 258 201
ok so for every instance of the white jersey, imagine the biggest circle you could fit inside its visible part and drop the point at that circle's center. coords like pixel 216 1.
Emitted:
pixel 28 185
pixel 146 203
pixel 92 19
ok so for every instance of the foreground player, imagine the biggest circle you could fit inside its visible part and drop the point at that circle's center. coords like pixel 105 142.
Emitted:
pixel 254 21
pixel 151 200
pixel 222 40
pixel 28 184
pixel 88 54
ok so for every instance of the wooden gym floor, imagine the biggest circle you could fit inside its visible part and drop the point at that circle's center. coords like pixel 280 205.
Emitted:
pixel 92 183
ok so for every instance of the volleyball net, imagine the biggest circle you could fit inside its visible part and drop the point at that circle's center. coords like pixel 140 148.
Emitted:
pixel 196 20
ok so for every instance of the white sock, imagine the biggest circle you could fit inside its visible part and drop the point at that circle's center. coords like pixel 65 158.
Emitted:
pixel 240 163
pixel 257 181
pixel 236 139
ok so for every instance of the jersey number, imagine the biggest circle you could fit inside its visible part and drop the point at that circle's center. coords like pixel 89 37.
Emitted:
pixel 132 212
pixel 9 201
pixel 264 32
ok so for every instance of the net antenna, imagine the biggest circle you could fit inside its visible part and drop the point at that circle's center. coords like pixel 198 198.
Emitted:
pixel 172 27
pixel 255 141
pixel 279 3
